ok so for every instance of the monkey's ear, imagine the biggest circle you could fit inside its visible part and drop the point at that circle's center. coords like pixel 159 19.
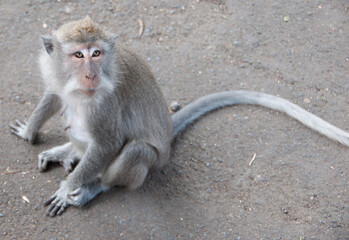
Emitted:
pixel 114 36
pixel 47 41
pixel 112 40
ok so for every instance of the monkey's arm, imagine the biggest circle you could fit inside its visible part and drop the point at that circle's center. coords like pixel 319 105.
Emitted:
pixel 49 105
pixel 95 159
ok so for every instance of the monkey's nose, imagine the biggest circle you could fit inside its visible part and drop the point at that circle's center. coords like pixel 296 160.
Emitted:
pixel 90 75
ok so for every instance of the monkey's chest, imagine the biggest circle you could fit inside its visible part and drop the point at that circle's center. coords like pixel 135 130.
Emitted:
pixel 77 131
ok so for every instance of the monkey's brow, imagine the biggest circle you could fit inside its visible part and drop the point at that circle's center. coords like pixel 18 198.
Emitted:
pixel 83 51
pixel 70 48
pixel 95 48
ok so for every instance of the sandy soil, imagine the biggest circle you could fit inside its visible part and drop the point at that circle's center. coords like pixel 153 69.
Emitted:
pixel 297 186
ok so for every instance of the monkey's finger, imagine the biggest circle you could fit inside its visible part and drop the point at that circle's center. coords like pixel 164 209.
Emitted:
pixel 18 133
pixel 75 192
pixel 62 209
pixel 52 206
pixel 15 128
pixel 56 208
pixel 47 202
pixel 19 123
pixel 68 167
pixel 42 164
pixel 50 210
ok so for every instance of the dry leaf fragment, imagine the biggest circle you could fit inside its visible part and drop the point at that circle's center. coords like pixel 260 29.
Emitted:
pixel 25 199
pixel 141 28
pixel 252 160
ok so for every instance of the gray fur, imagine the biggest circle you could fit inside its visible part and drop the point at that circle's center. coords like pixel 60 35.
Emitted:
pixel 48 106
pixel 211 102
pixel 125 129
pixel 64 154
pixel 130 128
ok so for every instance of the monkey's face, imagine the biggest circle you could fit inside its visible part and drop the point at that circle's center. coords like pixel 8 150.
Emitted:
pixel 83 62
pixel 82 67
pixel 80 61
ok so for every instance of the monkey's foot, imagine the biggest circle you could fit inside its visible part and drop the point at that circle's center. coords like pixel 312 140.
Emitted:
pixel 86 193
pixel 62 154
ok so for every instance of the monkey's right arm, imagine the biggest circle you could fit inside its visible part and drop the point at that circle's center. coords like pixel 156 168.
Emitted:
pixel 48 106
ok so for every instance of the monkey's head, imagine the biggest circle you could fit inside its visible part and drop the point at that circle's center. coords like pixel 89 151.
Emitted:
pixel 79 57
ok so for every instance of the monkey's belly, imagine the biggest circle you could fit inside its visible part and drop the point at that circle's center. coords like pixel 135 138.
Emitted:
pixel 79 138
pixel 76 129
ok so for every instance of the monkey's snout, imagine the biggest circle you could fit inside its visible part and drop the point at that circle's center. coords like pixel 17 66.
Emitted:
pixel 90 75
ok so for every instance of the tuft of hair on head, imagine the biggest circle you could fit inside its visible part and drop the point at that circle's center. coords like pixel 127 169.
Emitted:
pixel 80 31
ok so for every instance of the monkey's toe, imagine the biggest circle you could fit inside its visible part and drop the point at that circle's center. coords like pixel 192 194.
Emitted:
pixel 69 164
pixel 44 159
pixel 84 194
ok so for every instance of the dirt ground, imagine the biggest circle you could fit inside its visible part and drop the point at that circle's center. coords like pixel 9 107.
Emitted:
pixel 297 186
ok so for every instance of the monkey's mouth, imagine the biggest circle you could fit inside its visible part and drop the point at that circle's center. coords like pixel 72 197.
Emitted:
pixel 89 92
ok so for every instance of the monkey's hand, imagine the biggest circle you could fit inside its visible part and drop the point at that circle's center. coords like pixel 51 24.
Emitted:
pixel 21 130
pixel 60 200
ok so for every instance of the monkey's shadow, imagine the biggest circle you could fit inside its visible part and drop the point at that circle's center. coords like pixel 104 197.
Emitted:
pixel 160 185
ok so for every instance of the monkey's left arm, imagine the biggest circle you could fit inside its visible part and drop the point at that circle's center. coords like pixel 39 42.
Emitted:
pixel 95 159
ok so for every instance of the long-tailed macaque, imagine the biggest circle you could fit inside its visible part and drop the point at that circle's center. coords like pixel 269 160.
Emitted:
pixel 115 115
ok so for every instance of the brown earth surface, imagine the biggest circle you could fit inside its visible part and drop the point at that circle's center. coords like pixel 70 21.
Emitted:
pixel 297 186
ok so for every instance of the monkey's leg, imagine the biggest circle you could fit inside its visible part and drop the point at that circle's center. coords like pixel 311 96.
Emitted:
pixel 49 105
pixel 131 167
pixel 129 170
pixel 64 154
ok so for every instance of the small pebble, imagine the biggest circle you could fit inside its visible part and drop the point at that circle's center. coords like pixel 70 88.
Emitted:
pixel 67 10
pixel 175 106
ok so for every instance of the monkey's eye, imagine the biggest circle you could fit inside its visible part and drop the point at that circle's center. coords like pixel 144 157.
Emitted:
pixel 96 53
pixel 78 54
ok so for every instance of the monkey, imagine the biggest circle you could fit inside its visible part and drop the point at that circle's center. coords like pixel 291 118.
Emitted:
pixel 115 115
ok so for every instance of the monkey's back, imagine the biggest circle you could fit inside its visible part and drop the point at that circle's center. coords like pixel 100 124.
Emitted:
pixel 143 107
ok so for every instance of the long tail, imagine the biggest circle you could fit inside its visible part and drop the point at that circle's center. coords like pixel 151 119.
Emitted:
pixel 195 110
